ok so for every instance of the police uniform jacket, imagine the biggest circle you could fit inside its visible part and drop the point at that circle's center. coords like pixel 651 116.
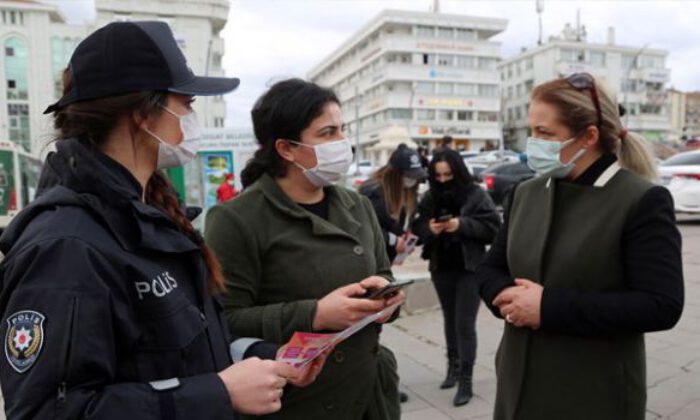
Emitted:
pixel 105 312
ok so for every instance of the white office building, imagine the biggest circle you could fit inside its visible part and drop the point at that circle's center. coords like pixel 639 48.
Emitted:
pixel 431 73
pixel 636 75
pixel 37 44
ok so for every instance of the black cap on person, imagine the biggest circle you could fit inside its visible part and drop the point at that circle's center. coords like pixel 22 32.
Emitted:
pixel 129 57
pixel 408 161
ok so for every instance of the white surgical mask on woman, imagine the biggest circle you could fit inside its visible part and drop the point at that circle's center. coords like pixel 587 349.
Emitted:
pixel 409 182
pixel 543 157
pixel 333 159
pixel 171 156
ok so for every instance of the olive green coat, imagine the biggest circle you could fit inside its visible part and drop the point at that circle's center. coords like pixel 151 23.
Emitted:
pixel 564 235
pixel 278 260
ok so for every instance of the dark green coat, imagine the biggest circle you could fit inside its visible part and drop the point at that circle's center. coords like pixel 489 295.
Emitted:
pixel 564 235
pixel 279 259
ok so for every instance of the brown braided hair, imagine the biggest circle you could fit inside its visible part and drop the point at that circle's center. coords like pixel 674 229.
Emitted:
pixel 92 121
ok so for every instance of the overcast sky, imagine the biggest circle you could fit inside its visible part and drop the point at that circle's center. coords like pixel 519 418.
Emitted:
pixel 271 39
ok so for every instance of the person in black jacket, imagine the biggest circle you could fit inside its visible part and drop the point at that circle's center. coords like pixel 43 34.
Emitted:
pixel 456 220
pixel 392 190
pixel 108 293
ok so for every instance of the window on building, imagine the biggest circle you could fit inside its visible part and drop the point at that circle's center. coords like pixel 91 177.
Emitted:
pixel 466 34
pixel 598 58
pixel 629 62
pixel 9 52
pixel 466 89
pixel 16 69
pixel 510 92
pixel 445 88
pixel 528 63
pixel 18 118
pixel 488 116
pixel 425 31
pixel 445 60
pixel 518 113
pixel 425 114
pixel 465 61
pixel 429 59
pixel 425 87
pixel 405 58
pixel 445 115
pixel 567 54
pixel 529 85
pixel 518 90
pixel 400 114
pixel 446 33
pixel 487 63
pixel 510 114
pixel 465 115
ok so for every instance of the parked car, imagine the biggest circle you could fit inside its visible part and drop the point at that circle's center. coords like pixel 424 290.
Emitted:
pixel 355 178
pixel 485 160
pixel 681 175
pixel 500 180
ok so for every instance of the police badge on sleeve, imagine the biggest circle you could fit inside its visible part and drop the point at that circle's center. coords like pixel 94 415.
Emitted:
pixel 24 339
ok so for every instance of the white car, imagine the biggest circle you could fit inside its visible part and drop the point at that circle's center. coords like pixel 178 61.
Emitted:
pixel 355 178
pixel 681 175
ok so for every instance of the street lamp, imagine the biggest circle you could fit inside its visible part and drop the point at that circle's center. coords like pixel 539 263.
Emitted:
pixel 357 130
pixel 627 80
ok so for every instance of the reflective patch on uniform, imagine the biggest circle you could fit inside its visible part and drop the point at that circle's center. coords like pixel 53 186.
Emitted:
pixel 24 339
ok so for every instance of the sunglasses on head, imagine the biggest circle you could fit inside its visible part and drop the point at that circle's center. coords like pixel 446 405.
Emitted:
pixel 584 81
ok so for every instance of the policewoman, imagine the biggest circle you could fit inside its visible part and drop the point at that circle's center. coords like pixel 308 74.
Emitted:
pixel 587 261
pixel 107 291
pixel 299 252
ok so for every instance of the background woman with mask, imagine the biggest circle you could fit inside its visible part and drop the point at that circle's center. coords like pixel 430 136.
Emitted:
pixel 298 252
pixel 107 290
pixel 588 259
pixel 392 190
pixel 456 220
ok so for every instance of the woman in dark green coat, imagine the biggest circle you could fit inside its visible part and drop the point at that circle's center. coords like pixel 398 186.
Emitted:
pixel 588 259
pixel 298 252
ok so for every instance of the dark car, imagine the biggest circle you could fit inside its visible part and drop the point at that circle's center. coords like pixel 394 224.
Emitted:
pixel 500 180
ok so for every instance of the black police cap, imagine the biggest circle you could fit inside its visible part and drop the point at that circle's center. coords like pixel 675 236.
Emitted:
pixel 128 57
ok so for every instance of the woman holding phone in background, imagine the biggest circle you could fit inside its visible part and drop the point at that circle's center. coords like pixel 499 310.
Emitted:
pixel 456 219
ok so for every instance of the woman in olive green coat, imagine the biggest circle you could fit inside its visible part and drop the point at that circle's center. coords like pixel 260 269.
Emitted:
pixel 298 253
pixel 587 261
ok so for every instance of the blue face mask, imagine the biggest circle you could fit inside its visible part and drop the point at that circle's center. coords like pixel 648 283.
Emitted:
pixel 543 157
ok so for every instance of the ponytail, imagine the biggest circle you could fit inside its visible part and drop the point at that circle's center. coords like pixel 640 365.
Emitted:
pixel 159 193
pixel 635 155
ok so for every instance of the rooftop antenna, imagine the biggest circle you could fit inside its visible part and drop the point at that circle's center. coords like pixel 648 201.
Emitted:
pixel 540 9
pixel 578 25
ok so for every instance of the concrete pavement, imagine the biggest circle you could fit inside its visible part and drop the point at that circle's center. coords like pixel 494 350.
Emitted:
pixel 673 357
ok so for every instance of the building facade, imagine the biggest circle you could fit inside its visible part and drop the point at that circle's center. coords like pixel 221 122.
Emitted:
pixel 636 76
pixel 692 115
pixel 677 100
pixel 37 44
pixel 432 73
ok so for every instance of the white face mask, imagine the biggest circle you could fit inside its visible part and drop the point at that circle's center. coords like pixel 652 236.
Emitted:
pixel 333 159
pixel 409 182
pixel 170 156
pixel 543 157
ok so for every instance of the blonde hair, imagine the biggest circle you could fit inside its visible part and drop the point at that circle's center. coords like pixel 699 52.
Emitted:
pixel 577 111
pixel 396 195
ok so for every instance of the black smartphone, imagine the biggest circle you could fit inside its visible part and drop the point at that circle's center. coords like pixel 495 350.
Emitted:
pixel 444 218
pixel 387 291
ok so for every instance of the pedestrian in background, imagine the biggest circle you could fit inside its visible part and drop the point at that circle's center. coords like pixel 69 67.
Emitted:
pixel 227 190
pixel 456 220
pixel 587 261
pixel 393 191
pixel 108 293
pixel 299 252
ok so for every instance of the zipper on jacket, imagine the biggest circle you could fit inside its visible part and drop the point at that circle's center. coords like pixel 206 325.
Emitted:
pixel 62 392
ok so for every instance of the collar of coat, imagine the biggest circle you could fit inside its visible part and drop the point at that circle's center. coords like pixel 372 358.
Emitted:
pixel 341 220
pixel 76 175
